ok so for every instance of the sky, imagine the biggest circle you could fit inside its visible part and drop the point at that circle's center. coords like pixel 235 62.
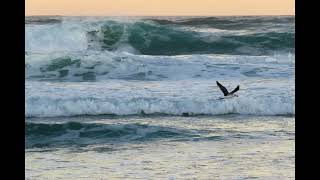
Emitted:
pixel 159 7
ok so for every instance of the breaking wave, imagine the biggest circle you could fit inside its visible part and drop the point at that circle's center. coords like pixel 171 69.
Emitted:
pixel 69 100
pixel 164 37
pixel 106 65
pixel 166 65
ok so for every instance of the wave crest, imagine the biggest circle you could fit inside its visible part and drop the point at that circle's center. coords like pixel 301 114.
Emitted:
pixel 52 107
pixel 156 37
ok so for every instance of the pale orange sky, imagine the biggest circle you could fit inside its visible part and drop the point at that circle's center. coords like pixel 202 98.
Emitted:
pixel 159 7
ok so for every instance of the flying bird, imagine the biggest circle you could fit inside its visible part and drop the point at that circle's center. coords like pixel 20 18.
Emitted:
pixel 226 93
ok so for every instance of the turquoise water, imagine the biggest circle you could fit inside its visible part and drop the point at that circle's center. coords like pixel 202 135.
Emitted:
pixel 136 97
pixel 161 147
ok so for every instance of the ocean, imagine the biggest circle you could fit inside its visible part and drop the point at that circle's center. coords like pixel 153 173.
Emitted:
pixel 136 97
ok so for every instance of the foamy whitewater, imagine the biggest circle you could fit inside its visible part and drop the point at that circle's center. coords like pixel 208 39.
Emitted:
pixel 149 83
pixel 88 66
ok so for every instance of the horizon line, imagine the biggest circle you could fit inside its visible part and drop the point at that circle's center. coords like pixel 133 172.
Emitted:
pixel 154 15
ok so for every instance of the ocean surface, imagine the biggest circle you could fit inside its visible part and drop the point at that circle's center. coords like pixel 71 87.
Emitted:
pixel 136 97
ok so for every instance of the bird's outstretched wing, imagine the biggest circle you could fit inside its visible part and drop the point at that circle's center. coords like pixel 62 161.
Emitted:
pixel 235 90
pixel 223 89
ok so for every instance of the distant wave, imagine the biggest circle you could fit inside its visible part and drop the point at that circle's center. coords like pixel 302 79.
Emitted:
pixel 165 37
pixel 41 20
pixel 229 23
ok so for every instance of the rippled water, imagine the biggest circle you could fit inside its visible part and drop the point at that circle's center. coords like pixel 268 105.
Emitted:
pixel 136 97
pixel 165 147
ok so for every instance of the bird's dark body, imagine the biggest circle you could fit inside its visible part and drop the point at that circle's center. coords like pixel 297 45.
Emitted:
pixel 226 93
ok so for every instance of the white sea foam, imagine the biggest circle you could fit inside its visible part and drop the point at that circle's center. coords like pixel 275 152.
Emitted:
pixel 69 35
pixel 80 34
pixel 106 65
pixel 264 97
pixel 119 80
pixel 55 37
